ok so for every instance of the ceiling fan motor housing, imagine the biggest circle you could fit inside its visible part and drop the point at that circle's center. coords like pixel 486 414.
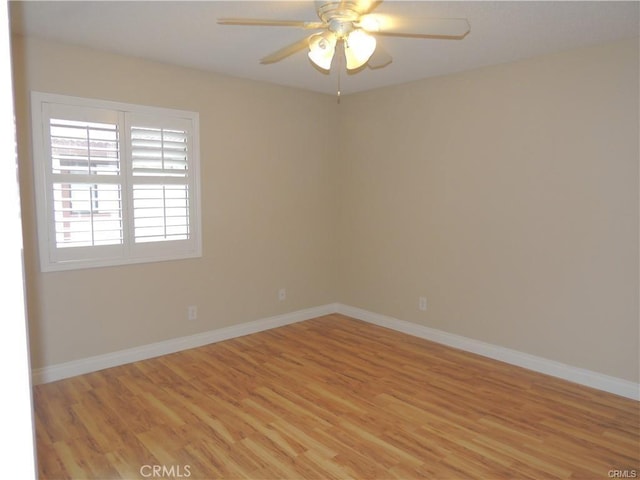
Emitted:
pixel 339 16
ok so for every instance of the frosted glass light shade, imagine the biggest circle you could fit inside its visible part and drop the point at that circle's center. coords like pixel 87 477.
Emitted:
pixel 358 47
pixel 322 46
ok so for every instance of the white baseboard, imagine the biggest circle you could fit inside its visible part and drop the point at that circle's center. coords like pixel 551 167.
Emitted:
pixel 581 376
pixel 121 357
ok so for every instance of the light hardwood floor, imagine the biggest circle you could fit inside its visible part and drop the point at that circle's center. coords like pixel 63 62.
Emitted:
pixel 330 398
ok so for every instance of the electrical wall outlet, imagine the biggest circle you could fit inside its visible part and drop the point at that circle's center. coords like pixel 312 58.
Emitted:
pixel 192 312
pixel 422 303
pixel 282 294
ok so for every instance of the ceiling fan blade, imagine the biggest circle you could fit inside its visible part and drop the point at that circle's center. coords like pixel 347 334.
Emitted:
pixel 259 22
pixel 380 58
pixel 417 27
pixel 366 6
pixel 286 51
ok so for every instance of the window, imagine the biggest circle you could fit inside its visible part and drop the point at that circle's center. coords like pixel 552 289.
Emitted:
pixel 115 183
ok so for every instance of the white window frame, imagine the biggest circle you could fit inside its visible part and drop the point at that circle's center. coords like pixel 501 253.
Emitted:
pixel 53 258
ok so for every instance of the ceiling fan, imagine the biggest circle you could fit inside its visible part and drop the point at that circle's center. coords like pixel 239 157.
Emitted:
pixel 349 30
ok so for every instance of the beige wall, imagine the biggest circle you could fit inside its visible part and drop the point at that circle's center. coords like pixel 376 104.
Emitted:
pixel 267 208
pixel 508 196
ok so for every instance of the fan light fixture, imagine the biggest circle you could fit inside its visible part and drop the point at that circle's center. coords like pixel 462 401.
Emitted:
pixel 358 48
pixel 351 25
pixel 322 46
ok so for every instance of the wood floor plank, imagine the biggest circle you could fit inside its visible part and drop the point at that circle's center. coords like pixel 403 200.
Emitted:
pixel 331 398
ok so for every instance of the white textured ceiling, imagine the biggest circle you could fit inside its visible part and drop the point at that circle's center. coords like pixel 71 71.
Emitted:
pixel 186 33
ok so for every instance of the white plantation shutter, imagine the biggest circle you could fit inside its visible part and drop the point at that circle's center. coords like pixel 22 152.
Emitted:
pixel 87 214
pixel 159 152
pixel 117 183
pixel 162 179
pixel 82 147
pixel 87 207
pixel 160 212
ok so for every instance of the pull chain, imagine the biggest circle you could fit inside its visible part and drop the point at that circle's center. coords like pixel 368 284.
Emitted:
pixel 339 73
